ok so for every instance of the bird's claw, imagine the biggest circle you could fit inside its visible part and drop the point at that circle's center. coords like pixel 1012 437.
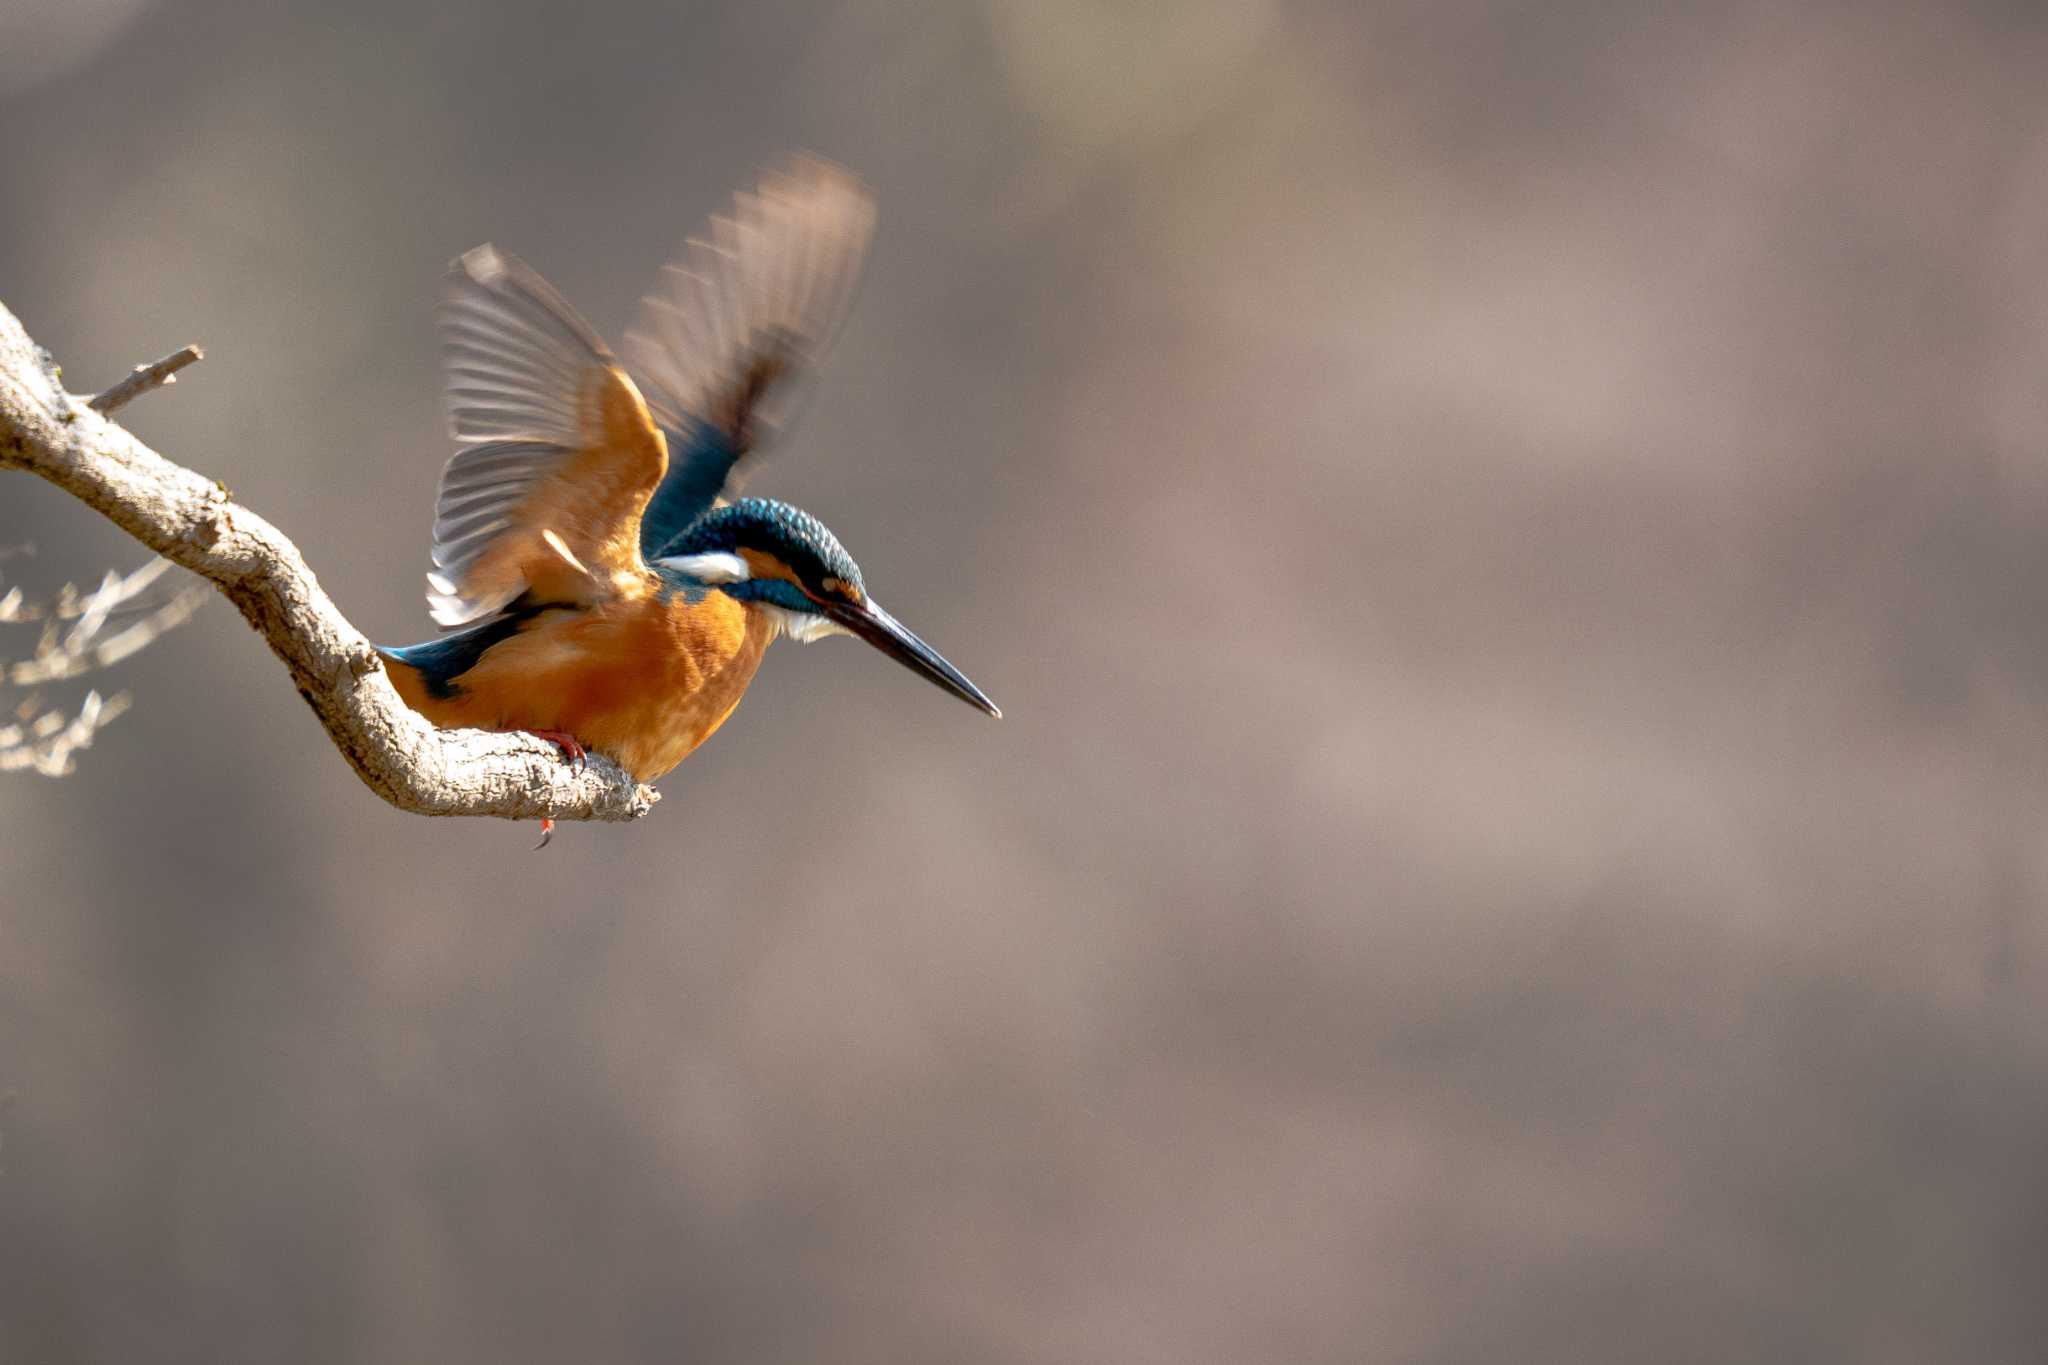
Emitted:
pixel 571 747
pixel 578 758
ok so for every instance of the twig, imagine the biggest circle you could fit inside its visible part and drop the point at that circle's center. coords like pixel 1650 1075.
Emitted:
pixel 191 521
pixel 143 378
pixel 44 741
pixel 80 650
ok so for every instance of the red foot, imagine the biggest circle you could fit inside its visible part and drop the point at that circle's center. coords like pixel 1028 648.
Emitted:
pixel 572 748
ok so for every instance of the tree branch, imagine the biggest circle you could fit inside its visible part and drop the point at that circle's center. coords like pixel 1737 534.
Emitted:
pixel 146 377
pixel 191 521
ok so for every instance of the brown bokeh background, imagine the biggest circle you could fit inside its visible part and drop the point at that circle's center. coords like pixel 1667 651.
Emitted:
pixel 1513 539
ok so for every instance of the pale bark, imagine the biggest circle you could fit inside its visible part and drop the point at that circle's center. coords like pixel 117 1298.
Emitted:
pixel 194 522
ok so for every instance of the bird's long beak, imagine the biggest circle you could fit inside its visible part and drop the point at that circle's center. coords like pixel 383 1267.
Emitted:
pixel 894 639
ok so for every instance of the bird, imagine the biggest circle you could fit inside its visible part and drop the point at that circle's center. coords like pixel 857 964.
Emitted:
pixel 598 579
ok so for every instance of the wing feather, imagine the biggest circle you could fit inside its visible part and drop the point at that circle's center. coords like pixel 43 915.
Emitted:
pixel 724 343
pixel 552 437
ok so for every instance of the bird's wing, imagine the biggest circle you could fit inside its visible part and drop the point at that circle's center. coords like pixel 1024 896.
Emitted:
pixel 557 453
pixel 734 326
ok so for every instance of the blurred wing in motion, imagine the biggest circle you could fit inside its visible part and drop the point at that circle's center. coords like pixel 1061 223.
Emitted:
pixel 725 342
pixel 557 457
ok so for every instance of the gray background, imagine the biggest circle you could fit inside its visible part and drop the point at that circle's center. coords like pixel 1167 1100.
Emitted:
pixel 1514 542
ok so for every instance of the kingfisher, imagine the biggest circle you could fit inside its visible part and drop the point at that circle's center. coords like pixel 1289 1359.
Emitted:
pixel 598 580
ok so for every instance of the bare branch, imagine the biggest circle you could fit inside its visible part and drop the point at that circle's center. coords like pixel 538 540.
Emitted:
pixel 115 594
pixel 80 650
pixel 191 521
pixel 44 741
pixel 41 740
pixel 143 378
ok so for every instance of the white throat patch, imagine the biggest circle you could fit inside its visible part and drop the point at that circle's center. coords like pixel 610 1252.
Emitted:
pixel 802 626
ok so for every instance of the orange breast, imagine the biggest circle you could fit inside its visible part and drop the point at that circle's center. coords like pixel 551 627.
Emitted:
pixel 643 681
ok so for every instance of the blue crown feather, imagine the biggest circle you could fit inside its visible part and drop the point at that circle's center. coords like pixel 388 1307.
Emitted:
pixel 789 533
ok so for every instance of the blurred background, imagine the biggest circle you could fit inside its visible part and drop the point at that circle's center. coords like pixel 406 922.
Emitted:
pixel 1513 542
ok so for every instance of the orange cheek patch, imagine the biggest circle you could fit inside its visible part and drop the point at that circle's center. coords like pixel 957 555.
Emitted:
pixel 760 565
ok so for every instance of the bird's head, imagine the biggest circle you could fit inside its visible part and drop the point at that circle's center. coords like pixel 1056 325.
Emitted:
pixel 784 561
